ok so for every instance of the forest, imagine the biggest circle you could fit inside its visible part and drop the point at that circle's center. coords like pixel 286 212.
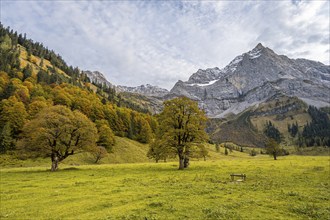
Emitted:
pixel 34 79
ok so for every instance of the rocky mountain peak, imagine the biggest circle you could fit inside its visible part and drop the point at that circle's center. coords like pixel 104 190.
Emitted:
pixel 205 76
pixel 259 46
pixel 254 76
pixel 97 77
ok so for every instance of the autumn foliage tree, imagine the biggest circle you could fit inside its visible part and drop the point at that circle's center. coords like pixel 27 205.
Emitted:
pixel 57 132
pixel 158 150
pixel 106 138
pixel 182 128
pixel 99 153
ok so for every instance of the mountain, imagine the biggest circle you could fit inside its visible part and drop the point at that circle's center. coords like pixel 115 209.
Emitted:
pixel 147 90
pixel 254 77
pixel 144 98
pixel 97 78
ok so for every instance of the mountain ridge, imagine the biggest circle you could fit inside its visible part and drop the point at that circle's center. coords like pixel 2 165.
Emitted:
pixel 253 77
pixel 249 79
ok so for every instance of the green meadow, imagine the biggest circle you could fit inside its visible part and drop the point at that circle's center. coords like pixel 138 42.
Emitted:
pixel 293 187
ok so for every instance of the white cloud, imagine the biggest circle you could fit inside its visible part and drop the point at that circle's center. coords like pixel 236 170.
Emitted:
pixel 161 42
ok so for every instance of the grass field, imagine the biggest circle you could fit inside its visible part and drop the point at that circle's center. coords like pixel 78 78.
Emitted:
pixel 293 187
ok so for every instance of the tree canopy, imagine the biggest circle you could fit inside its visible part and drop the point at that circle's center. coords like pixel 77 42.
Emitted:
pixel 273 148
pixel 181 128
pixel 58 132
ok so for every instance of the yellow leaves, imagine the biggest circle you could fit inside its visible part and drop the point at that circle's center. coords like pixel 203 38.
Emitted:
pixel 28 85
pixel 106 137
pixel 36 106
pixel 13 111
pixel 59 130
pixel 61 97
pixel 34 60
pixel 145 134
pixel 20 90
pixel 6 43
pixel 23 94
pixel 82 104
pixel 182 121
pixel 4 81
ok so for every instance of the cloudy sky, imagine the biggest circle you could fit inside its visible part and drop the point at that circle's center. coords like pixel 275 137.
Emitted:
pixel 160 42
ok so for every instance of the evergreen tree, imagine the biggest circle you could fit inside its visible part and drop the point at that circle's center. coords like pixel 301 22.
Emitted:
pixel 27 71
pixel 272 132
pixel 293 129
pixel 317 131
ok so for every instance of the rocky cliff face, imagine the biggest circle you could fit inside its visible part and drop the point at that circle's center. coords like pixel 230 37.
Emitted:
pixel 254 77
pixel 97 77
pixel 147 90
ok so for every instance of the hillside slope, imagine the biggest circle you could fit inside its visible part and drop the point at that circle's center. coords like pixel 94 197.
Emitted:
pixel 246 128
pixel 34 79
pixel 124 151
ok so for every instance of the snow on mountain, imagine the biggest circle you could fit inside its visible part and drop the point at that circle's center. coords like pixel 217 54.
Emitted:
pixel 203 84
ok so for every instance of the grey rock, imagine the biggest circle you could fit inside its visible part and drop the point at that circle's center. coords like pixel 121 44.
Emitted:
pixel 97 77
pixel 147 90
pixel 254 77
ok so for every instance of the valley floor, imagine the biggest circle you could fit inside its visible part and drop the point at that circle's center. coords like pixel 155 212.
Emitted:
pixel 293 187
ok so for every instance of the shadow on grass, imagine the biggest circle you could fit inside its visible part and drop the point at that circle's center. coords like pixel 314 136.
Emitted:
pixel 45 170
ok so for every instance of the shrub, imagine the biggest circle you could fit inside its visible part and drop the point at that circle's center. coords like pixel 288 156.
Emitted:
pixel 217 148
pixel 253 153
pixel 285 152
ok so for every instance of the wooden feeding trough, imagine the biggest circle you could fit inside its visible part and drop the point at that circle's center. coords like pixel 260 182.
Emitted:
pixel 242 177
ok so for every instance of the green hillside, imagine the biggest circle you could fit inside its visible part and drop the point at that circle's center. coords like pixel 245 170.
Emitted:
pixel 124 151
pixel 247 128
pixel 34 79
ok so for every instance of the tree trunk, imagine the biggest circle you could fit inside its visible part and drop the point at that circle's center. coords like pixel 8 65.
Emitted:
pixel 274 156
pixel 181 162
pixel 97 159
pixel 54 163
pixel 186 162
